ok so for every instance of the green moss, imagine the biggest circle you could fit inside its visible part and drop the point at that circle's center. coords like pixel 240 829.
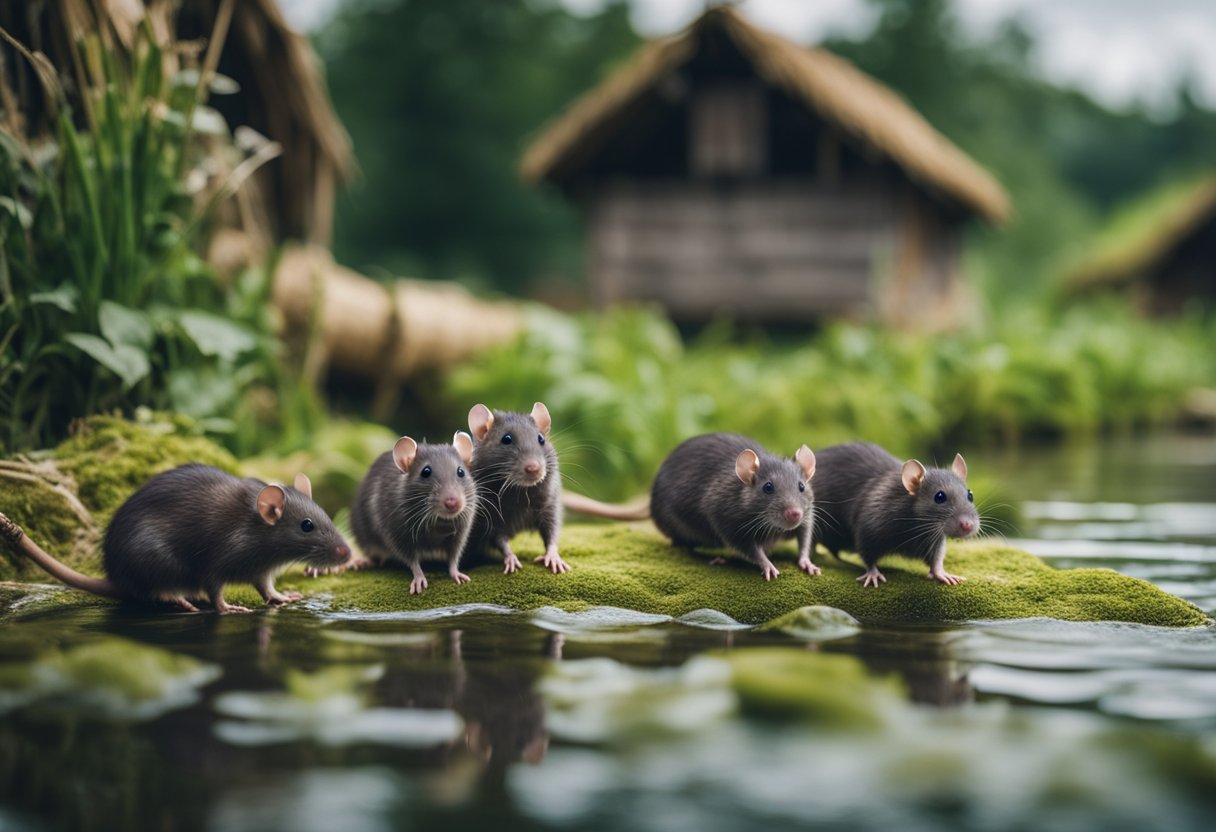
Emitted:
pixel 632 567
pixel 105 460
pixel 829 689
pixel 110 457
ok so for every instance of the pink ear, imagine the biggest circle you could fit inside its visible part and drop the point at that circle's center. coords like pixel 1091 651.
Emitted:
pixel 271 500
pixel 480 421
pixel 404 452
pixel 304 485
pixel 960 467
pixel 540 415
pixel 805 458
pixel 912 474
pixel 464 446
pixel 746 466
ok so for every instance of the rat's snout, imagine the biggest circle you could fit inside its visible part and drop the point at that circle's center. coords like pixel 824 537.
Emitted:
pixel 341 553
pixel 966 526
pixel 453 503
pixel 534 470
pixel 793 515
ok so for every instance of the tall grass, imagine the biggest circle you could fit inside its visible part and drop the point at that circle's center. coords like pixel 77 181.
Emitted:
pixel 105 302
pixel 624 389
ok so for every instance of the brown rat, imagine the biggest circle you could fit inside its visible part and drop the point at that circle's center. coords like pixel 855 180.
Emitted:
pixel 515 465
pixel 191 530
pixel 418 502
pixel 722 489
pixel 871 503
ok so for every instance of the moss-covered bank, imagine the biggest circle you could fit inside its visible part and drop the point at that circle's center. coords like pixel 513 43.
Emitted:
pixel 633 567
pixel 64 498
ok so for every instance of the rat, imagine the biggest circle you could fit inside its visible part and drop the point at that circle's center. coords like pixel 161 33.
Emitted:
pixel 516 470
pixel 189 531
pixel 418 502
pixel 875 505
pixel 722 489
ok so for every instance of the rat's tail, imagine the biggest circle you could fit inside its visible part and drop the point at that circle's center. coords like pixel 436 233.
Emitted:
pixel 636 509
pixel 16 537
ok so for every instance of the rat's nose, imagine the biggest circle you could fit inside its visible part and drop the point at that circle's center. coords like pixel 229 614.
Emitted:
pixel 966 526
pixel 341 554
pixel 793 515
pixel 532 469
pixel 452 503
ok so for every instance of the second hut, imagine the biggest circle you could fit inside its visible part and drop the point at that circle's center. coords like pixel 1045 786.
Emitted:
pixel 727 170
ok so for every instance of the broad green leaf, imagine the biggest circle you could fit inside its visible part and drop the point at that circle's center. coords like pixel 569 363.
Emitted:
pixel 64 298
pixel 125 361
pixel 121 325
pixel 12 206
pixel 216 336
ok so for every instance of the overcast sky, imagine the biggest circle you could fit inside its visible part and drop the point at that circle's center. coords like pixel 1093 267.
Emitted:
pixel 1119 51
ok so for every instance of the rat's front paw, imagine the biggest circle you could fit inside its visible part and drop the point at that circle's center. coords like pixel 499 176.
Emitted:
pixel 553 561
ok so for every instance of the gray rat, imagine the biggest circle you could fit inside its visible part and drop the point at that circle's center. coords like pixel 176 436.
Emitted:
pixel 722 489
pixel 416 502
pixel 516 470
pixel 189 531
pixel 873 504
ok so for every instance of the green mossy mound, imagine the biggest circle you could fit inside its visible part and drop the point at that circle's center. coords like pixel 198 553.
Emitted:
pixel 65 497
pixel 633 567
pixel 830 689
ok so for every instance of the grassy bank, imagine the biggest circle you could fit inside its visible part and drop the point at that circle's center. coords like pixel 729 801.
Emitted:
pixel 624 389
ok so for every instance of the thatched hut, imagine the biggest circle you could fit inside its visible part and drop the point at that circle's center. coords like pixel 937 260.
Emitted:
pixel 727 169
pixel 1160 251
pixel 282 92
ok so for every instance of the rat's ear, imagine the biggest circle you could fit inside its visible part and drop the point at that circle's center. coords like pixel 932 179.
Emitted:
pixel 464 446
pixel 540 415
pixel 304 485
pixel 960 467
pixel 912 474
pixel 746 466
pixel 480 421
pixel 271 500
pixel 404 452
pixel 805 458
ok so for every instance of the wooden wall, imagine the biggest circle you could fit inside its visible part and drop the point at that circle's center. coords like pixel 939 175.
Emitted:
pixel 783 250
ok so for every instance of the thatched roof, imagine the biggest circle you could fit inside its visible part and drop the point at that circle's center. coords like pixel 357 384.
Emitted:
pixel 863 108
pixel 1145 234
pixel 282 90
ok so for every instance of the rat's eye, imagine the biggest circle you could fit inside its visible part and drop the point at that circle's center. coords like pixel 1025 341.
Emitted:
pixel 507 439
pixel 970 497
pixel 802 486
pixel 540 437
pixel 768 487
pixel 459 471
pixel 939 497
pixel 426 472
pixel 306 525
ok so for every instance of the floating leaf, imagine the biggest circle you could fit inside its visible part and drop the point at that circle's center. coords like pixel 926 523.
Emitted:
pixel 127 362
pixel 121 325
pixel 216 336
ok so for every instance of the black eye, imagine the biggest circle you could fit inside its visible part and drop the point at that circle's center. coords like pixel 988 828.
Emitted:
pixel 540 437
pixel 970 497
pixel 459 471
pixel 768 488
pixel 426 472
pixel 507 439
pixel 802 486
pixel 306 525
pixel 939 497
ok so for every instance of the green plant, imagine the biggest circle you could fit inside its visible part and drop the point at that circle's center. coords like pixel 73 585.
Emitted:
pixel 105 302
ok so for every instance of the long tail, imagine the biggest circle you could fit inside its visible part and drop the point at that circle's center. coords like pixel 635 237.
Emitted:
pixel 16 537
pixel 636 509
